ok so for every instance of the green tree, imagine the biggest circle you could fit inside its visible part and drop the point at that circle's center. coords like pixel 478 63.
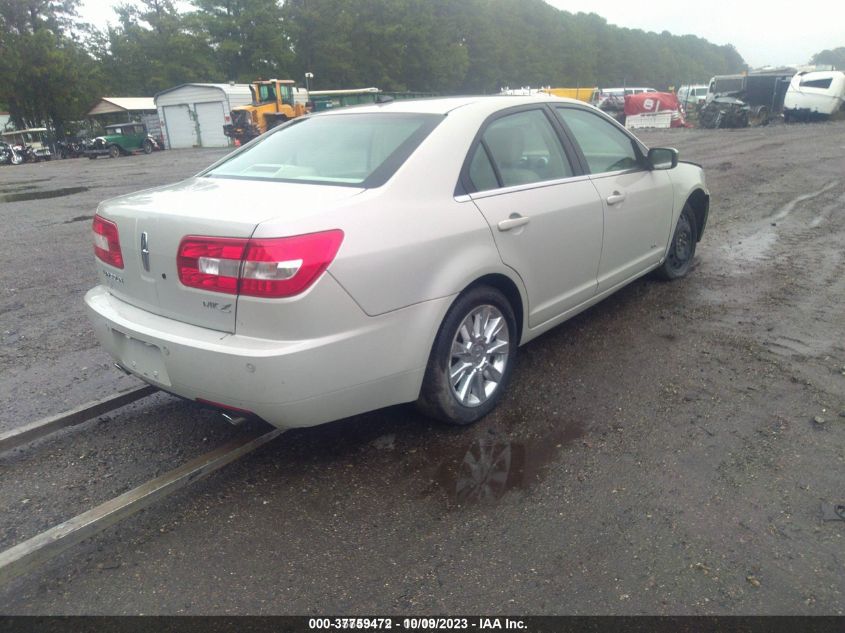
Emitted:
pixel 835 58
pixel 48 75
pixel 445 46
pixel 247 37
pixel 154 47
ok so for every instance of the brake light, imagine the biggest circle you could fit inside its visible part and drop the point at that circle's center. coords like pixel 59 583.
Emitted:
pixel 264 267
pixel 107 242
pixel 286 266
pixel 211 263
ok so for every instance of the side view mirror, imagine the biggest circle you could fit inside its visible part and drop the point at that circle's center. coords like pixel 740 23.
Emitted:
pixel 662 158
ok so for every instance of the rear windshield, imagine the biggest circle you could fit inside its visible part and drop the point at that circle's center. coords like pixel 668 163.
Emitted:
pixel 360 150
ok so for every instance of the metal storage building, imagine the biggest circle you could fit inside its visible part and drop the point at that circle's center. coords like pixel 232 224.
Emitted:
pixel 193 115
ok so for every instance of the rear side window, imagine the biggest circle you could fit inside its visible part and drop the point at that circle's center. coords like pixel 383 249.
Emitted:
pixel 605 147
pixel 481 171
pixel 361 150
pixel 524 148
pixel 816 83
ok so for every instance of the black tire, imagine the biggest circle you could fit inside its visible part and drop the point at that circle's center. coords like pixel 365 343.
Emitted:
pixel 93 157
pixel 114 151
pixel 682 248
pixel 147 146
pixel 488 361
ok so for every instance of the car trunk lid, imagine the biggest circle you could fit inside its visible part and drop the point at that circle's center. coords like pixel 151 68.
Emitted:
pixel 153 223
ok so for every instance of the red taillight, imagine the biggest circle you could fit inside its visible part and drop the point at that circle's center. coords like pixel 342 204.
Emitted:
pixel 211 263
pixel 264 267
pixel 286 266
pixel 107 242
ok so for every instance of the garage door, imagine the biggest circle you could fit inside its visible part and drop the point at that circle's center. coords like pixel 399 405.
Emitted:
pixel 181 131
pixel 210 119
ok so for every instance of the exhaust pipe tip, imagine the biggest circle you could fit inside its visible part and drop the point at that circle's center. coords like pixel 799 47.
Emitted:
pixel 123 369
pixel 234 420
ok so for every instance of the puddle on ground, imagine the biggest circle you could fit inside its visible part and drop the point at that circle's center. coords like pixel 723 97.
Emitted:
pixel 754 248
pixel 483 471
pixel 16 188
pixel 41 195
pixel 18 185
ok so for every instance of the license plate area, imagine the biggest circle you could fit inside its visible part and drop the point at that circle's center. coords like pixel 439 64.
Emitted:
pixel 140 357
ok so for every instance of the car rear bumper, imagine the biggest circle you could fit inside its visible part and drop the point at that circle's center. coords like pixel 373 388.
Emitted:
pixel 289 383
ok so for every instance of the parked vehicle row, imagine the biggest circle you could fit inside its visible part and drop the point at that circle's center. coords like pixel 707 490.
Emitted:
pixel 122 139
pixel 744 99
pixel 754 98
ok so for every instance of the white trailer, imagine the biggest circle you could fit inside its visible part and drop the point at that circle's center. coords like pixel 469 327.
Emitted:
pixel 814 95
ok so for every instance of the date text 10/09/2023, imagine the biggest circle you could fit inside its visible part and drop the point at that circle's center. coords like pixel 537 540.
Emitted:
pixel 417 624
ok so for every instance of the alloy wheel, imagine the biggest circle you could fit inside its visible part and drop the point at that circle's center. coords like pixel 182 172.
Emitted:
pixel 479 355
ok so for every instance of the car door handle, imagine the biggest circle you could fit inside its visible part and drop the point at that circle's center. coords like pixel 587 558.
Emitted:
pixel 615 198
pixel 512 222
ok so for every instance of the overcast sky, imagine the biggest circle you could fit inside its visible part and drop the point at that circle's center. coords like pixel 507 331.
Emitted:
pixel 775 33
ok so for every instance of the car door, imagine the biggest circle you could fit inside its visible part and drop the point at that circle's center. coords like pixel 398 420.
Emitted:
pixel 637 201
pixel 546 216
pixel 135 135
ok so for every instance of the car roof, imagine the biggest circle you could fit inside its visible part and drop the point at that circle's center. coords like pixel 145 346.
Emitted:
pixel 444 105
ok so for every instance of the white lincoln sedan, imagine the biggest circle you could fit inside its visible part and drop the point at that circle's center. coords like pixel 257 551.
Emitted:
pixel 382 254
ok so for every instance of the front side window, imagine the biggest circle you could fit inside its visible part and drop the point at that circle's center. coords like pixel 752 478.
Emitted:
pixel 347 149
pixel 524 149
pixel 605 147
pixel 266 93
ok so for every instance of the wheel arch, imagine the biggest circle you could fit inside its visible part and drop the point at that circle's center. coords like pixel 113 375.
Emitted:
pixel 699 202
pixel 507 287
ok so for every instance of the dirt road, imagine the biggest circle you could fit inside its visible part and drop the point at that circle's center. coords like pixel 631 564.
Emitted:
pixel 666 452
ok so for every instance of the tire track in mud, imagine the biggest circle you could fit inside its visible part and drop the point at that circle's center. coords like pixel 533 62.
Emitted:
pixel 771 266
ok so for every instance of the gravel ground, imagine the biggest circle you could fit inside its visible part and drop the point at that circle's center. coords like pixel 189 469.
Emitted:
pixel 667 452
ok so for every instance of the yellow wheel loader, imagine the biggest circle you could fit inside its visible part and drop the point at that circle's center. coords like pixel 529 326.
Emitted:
pixel 273 102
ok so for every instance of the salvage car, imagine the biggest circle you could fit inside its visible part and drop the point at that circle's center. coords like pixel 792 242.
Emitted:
pixel 401 252
pixel 122 139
